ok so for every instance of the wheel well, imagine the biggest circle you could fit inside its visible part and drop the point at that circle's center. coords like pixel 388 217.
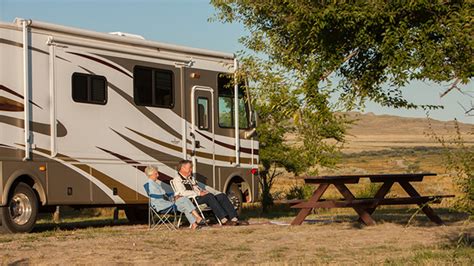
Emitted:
pixel 233 180
pixel 239 181
pixel 30 182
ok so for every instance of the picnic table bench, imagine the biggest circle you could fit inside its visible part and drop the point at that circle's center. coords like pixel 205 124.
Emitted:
pixel 365 207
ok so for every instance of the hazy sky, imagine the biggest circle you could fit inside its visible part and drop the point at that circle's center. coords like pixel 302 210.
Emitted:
pixel 185 22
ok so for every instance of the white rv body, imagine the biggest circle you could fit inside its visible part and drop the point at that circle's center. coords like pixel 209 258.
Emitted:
pixel 86 154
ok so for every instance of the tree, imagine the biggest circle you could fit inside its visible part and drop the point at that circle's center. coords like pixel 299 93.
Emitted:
pixel 364 43
pixel 300 53
pixel 281 113
pixel 459 158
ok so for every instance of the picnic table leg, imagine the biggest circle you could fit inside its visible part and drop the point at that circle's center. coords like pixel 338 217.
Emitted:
pixel 424 207
pixel 363 214
pixel 304 212
pixel 381 193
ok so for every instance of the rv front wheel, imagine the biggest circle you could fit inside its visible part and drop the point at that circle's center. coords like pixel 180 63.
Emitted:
pixel 19 216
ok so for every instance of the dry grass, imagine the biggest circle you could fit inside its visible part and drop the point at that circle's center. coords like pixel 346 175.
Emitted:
pixel 393 160
pixel 381 144
pixel 336 241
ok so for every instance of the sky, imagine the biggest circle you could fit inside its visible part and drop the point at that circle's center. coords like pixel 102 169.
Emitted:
pixel 185 22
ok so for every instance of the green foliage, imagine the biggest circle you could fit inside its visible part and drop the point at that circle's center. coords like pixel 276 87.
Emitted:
pixel 283 113
pixel 300 192
pixel 364 43
pixel 414 167
pixel 459 158
pixel 293 47
pixel 369 190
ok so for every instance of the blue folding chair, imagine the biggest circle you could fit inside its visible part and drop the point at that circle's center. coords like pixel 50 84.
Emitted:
pixel 159 218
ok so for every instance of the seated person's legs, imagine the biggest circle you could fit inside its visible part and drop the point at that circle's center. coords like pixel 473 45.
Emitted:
pixel 186 209
pixel 227 206
pixel 185 206
pixel 211 201
pixel 225 203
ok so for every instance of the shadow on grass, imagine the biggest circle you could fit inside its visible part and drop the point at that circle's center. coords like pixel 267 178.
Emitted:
pixel 277 211
pixel 463 238
pixel 72 219
pixel 401 216
pixel 79 223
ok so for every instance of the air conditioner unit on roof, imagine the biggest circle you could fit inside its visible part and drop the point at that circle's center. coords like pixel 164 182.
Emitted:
pixel 129 35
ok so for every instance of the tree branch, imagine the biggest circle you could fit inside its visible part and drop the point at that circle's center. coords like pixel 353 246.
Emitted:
pixel 468 111
pixel 273 175
pixel 327 73
pixel 453 86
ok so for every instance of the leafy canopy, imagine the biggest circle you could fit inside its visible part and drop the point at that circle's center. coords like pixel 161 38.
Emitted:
pixel 364 43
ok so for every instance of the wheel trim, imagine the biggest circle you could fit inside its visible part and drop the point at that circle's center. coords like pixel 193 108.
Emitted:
pixel 234 200
pixel 20 209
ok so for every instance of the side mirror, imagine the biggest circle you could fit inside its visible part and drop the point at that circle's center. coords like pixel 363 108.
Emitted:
pixel 251 133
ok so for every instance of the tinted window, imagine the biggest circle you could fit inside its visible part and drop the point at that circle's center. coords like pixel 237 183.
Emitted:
pixel 243 117
pixel 143 82
pixel 153 87
pixel 226 103
pixel 88 88
pixel 203 113
pixel 226 116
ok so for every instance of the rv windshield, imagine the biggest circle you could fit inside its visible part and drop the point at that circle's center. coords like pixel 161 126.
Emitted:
pixel 226 103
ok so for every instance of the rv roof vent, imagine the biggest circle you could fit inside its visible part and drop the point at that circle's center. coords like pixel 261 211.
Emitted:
pixel 129 35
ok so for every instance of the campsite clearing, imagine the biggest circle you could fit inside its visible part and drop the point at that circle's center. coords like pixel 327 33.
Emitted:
pixel 332 239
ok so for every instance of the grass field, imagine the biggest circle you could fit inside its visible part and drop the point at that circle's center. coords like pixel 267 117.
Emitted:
pixel 392 160
pixel 329 238
pixel 402 235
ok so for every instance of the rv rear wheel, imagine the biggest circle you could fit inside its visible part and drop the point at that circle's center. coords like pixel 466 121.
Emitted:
pixel 19 216
pixel 235 196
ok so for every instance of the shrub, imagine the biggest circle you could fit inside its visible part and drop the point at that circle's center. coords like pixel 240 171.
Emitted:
pixel 368 191
pixel 300 192
pixel 459 158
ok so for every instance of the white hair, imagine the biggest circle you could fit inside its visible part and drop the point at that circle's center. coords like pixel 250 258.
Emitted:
pixel 149 170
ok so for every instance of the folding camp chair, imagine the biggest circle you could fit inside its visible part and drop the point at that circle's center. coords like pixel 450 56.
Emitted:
pixel 198 206
pixel 157 219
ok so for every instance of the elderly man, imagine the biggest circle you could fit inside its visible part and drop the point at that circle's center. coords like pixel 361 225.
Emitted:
pixel 183 204
pixel 220 204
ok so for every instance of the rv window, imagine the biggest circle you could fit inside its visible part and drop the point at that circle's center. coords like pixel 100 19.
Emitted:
pixel 243 117
pixel 88 88
pixel 226 103
pixel 203 113
pixel 226 116
pixel 143 81
pixel 153 87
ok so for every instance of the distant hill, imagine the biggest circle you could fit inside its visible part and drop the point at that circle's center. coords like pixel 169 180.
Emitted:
pixel 377 132
pixel 371 124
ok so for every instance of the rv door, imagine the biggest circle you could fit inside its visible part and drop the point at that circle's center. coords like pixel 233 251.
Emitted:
pixel 202 133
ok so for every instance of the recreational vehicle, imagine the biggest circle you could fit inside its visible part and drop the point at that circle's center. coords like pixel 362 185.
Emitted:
pixel 83 113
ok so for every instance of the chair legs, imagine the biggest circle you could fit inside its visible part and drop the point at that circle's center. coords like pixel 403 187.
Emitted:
pixel 179 220
pixel 202 214
pixel 157 220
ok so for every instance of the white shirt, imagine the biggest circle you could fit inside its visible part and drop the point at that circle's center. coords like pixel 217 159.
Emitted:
pixel 180 189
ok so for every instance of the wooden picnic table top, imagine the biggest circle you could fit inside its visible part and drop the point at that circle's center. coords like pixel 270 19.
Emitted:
pixel 354 178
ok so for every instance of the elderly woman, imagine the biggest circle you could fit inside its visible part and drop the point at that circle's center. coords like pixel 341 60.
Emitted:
pixel 183 204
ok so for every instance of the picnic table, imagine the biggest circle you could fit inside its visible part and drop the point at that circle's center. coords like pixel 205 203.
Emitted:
pixel 365 207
